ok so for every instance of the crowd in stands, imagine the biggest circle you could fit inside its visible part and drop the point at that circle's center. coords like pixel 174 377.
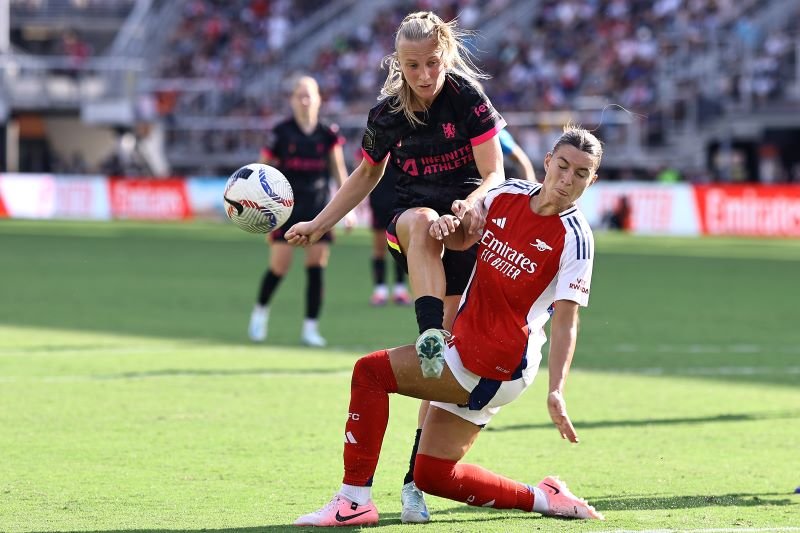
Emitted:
pixel 535 64
pixel 565 55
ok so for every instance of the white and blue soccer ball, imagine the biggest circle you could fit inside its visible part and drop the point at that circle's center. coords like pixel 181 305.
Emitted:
pixel 258 198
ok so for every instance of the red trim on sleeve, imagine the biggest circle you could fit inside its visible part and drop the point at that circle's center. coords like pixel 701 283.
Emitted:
pixel 480 139
pixel 370 160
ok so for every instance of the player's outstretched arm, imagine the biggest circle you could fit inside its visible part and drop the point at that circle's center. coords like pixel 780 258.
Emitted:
pixel 353 190
pixel 563 337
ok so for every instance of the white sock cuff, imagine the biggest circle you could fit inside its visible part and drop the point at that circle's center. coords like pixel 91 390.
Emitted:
pixel 359 495
pixel 540 504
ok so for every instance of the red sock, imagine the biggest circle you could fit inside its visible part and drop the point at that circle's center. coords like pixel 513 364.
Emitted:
pixel 372 382
pixel 470 484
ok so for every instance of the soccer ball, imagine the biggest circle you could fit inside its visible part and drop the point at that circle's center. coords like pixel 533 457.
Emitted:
pixel 258 198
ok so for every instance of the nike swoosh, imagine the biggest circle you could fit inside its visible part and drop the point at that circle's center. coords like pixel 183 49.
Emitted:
pixel 552 487
pixel 340 518
pixel 239 207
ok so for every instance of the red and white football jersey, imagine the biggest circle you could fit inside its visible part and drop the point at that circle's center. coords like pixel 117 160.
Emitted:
pixel 525 263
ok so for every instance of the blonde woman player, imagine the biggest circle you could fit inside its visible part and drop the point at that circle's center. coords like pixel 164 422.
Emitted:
pixel 308 153
pixel 438 130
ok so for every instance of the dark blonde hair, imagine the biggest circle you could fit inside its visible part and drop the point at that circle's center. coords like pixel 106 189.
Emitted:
pixel 449 39
pixel 582 139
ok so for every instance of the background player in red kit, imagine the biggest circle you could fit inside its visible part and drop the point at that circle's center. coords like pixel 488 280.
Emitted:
pixel 308 153
pixel 536 248
pixel 438 130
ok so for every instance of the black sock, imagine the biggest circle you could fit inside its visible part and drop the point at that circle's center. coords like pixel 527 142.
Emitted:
pixel 430 312
pixel 313 291
pixel 379 270
pixel 268 284
pixel 399 273
pixel 410 474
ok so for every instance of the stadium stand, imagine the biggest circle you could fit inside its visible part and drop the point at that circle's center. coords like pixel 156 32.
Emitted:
pixel 704 81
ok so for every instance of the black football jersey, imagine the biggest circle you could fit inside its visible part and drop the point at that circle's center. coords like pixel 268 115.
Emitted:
pixel 305 161
pixel 434 162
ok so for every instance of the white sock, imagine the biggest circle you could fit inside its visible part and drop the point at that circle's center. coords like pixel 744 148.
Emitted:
pixel 310 324
pixel 261 308
pixel 540 504
pixel 381 291
pixel 399 287
pixel 359 495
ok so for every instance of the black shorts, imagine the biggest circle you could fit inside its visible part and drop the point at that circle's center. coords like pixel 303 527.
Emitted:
pixel 458 266
pixel 382 208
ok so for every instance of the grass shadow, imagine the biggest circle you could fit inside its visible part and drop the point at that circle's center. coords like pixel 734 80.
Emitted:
pixel 643 503
pixel 742 417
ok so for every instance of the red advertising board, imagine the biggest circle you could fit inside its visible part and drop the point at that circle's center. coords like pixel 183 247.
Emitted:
pixel 150 199
pixel 749 210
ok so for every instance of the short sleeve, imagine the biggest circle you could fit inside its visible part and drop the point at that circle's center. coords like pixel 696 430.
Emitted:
pixel 334 136
pixel 378 137
pixel 270 149
pixel 483 120
pixel 577 259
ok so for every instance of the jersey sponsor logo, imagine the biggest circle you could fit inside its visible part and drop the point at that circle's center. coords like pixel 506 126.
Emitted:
pixel 503 257
pixel 449 130
pixel 410 167
pixel 304 164
pixel 481 109
pixel 579 285
pixel 439 163
pixel 541 245
pixel 500 222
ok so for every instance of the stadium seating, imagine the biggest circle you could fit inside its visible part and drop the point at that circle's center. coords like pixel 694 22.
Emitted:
pixel 212 72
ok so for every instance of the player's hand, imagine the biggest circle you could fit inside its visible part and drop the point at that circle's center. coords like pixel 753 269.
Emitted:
pixel 471 213
pixel 558 413
pixel 303 234
pixel 443 226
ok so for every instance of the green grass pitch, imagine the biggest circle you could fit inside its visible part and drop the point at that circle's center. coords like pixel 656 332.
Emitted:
pixel 131 400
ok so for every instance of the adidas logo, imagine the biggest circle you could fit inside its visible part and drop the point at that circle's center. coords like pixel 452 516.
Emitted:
pixel 349 438
pixel 500 222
